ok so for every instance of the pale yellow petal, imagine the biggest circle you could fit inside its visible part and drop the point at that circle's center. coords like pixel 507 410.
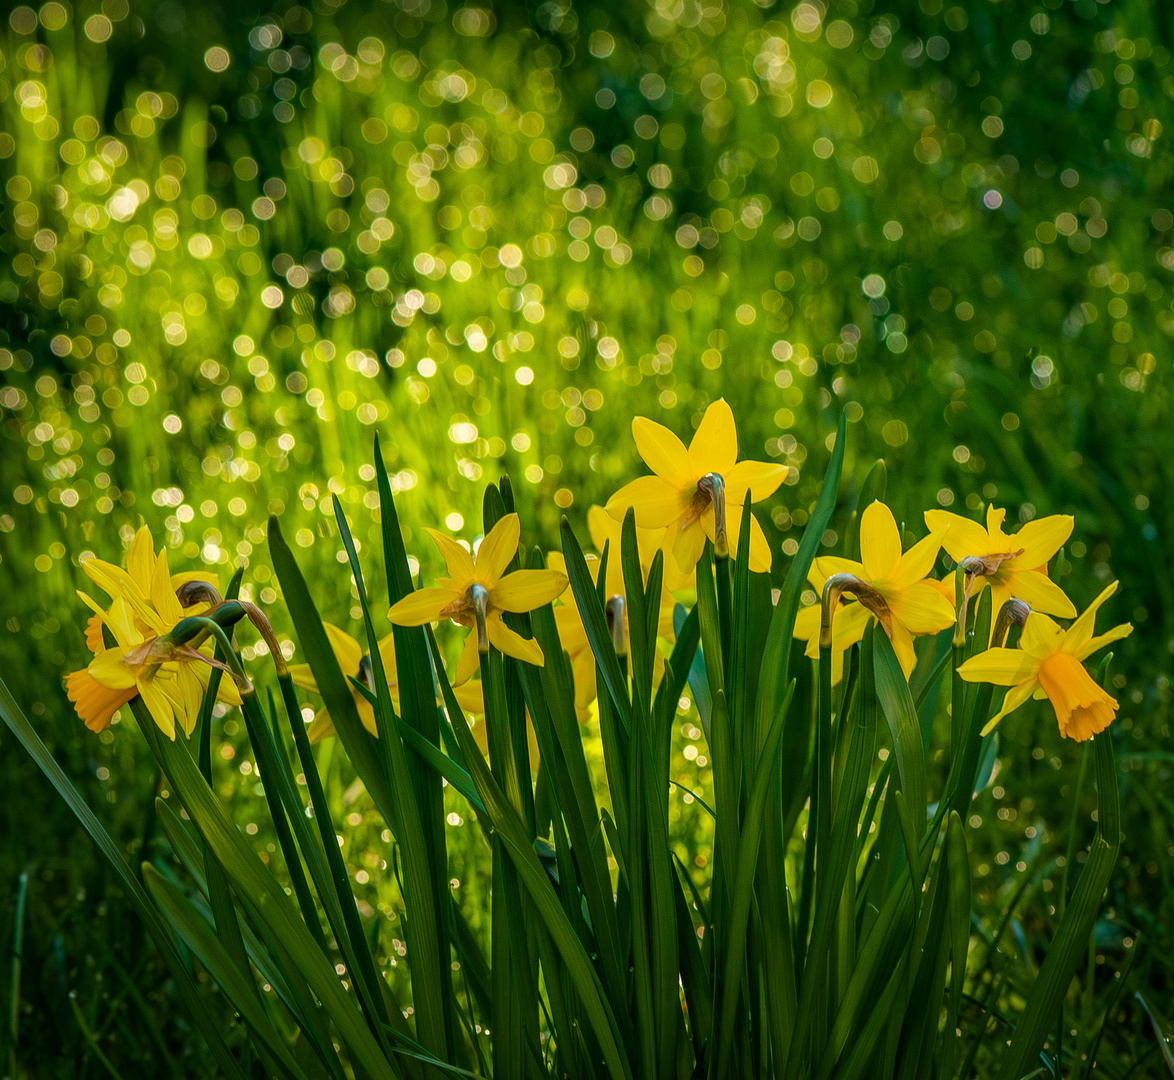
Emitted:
pixel 657 503
pixel 301 676
pixel 1016 696
pixel 963 538
pixel 140 559
pixel 1041 636
pixel 1040 593
pixel 1042 538
pixel 603 528
pixel 714 447
pixel 387 656
pixel 1101 640
pixel 111 670
pixel 921 608
pixel 422 606
pixel 994 527
pixel 456 558
pixel 163 594
pixel 760 553
pixel 825 566
pixel 159 705
pixel 1003 667
pixel 1081 630
pixel 663 453
pixel 903 646
pixel 760 478
pixel 321 728
pixel 919 560
pixel 502 638
pixel 880 542
pixel 525 590
pixel 688 545
pixel 347 651
pixel 471 699
pixel 497 549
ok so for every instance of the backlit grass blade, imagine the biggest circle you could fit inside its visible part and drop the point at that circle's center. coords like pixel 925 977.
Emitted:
pixel 897 705
pixel 238 985
pixel 27 736
pixel 1071 940
pixel 431 974
pixel 254 882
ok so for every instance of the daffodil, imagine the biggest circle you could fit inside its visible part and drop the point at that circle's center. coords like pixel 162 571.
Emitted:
pixel 698 493
pixel 1013 566
pixel 896 587
pixel 478 591
pixel 355 664
pixel 170 678
pixel 605 529
pixel 1048 663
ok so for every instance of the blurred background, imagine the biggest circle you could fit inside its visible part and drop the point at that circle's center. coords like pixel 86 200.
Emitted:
pixel 238 242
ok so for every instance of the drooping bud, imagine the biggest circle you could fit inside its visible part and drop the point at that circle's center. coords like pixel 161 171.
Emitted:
pixel 834 588
pixel 479 598
pixel 714 486
pixel 1013 611
pixel 615 623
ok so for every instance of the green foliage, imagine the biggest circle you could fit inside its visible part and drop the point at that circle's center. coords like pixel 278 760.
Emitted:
pixel 496 237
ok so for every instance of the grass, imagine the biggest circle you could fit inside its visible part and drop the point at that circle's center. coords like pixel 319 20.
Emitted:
pixel 975 374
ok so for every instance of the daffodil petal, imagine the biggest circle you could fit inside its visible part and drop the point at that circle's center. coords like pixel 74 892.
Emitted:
pixel 602 527
pixel 919 560
pixel 1040 593
pixel 663 453
pixel 658 504
pixel 469 660
pixel 1041 636
pixel 422 606
pixel 1081 630
pixel 140 559
pixel 1003 667
pixel 497 549
pixel 301 676
pixel 827 565
pixel 322 727
pixel 760 553
pixel 714 447
pixel 347 651
pixel 880 542
pixel 760 478
pixel 525 590
pixel 963 538
pixel 903 646
pixel 689 544
pixel 1016 696
pixel 511 644
pixel 471 698
pixel 995 516
pixel 366 714
pixel 159 705
pixel 1101 640
pixel 163 596
pixel 458 561
pixel 921 608
pixel 111 670
pixel 1042 538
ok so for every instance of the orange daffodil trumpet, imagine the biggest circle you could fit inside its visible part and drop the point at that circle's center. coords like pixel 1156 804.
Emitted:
pixel 170 677
pixel 1048 663
pixel 891 587
pixel 1013 566
pixel 478 591
pixel 697 493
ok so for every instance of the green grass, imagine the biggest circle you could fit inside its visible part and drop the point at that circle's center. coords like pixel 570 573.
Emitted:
pixel 955 396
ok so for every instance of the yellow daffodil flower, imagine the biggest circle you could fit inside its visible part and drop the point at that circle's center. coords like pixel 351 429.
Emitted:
pixel 606 530
pixel 171 680
pixel 697 493
pixel 1048 664
pixel 355 664
pixel 912 604
pixel 1016 565
pixel 478 592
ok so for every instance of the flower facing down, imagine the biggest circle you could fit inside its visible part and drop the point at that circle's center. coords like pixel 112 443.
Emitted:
pixel 909 603
pixel 1048 663
pixel 171 679
pixel 698 493
pixel 478 591
pixel 1014 566
pixel 606 530
pixel 355 664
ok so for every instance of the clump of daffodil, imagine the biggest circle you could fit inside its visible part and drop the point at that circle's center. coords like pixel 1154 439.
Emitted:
pixel 1048 663
pixel 605 530
pixel 170 678
pixel 355 664
pixel 698 493
pixel 478 591
pixel 890 586
pixel 1014 566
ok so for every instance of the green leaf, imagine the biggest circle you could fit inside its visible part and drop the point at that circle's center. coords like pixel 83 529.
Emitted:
pixel 27 736
pixel 904 726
